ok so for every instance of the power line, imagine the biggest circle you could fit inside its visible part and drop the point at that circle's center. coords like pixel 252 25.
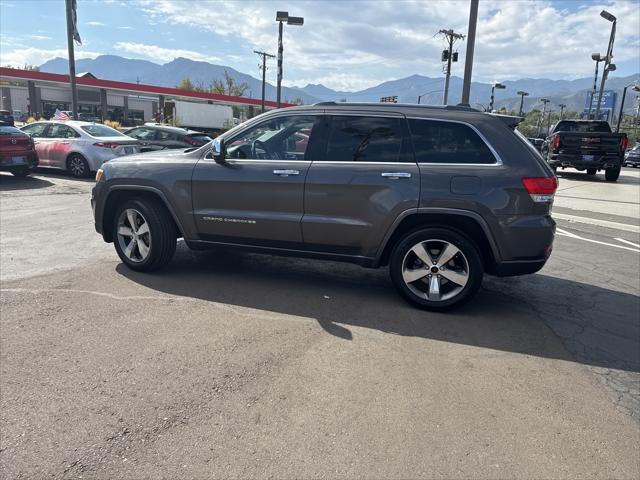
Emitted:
pixel 264 56
pixel 447 55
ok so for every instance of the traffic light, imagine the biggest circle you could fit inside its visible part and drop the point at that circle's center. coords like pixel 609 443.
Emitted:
pixel 445 55
pixel 454 57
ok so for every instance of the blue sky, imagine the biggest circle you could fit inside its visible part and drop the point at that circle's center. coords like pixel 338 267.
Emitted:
pixel 344 44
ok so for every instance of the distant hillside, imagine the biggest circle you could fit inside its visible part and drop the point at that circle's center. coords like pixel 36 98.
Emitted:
pixel 570 92
pixel 113 67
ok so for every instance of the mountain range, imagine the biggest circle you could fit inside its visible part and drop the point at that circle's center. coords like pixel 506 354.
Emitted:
pixel 570 92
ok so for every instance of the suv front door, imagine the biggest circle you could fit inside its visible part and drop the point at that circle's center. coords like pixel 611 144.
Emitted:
pixel 367 178
pixel 256 196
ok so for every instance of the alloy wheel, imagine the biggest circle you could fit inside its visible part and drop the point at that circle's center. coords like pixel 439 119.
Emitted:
pixel 133 235
pixel 435 270
pixel 77 167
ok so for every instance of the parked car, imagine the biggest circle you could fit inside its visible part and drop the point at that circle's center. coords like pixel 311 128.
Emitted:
pixel 17 151
pixel 440 194
pixel 586 145
pixel 536 142
pixel 632 157
pixel 6 118
pixel 79 147
pixel 162 137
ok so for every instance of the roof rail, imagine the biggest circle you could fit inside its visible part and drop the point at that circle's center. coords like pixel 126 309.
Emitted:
pixel 461 108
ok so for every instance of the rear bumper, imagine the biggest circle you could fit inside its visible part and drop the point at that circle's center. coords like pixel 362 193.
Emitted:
pixel 519 267
pixel 578 161
pixel 18 161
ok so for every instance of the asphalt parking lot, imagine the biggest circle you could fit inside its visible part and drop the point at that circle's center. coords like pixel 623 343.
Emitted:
pixel 242 366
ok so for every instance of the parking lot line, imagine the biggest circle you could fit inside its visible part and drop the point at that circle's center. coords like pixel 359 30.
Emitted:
pixel 565 233
pixel 594 221
pixel 627 242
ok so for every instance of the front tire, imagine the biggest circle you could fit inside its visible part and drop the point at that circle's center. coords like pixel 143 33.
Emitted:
pixel 144 235
pixel 611 174
pixel 77 166
pixel 436 268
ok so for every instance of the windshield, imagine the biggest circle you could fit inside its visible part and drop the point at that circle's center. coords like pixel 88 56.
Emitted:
pixel 583 127
pixel 101 131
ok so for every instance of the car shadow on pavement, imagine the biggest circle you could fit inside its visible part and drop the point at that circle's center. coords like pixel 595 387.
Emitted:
pixel 9 183
pixel 597 326
pixel 59 173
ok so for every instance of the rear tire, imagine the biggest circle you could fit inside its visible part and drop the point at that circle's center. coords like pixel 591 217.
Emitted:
pixel 592 171
pixel 77 166
pixel 152 243
pixel 23 172
pixel 611 174
pixel 416 268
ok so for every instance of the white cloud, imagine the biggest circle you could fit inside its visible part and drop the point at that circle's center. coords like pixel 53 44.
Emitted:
pixel 37 56
pixel 349 44
pixel 96 24
pixel 126 27
pixel 160 54
pixel 39 37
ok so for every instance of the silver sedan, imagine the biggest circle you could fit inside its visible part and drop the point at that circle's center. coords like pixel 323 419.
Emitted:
pixel 78 147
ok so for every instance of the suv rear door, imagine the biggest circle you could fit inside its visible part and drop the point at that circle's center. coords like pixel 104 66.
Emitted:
pixel 256 196
pixel 367 177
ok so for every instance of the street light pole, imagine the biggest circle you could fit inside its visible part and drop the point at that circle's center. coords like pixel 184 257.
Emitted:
pixel 522 95
pixel 624 94
pixel 282 17
pixel 499 86
pixel 544 110
pixel 425 94
pixel 597 58
pixel 72 34
pixel 607 61
pixel 264 72
pixel 468 59
pixel 562 107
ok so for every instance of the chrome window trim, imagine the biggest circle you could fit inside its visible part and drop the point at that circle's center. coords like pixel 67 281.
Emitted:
pixel 495 154
pixel 351 162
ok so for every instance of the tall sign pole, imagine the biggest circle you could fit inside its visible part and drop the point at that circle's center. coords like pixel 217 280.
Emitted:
pixel 72 34
pixel 279 86
pixel 468 59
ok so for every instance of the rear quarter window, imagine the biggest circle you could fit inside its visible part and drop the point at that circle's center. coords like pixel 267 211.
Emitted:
pixel 447 142
pixel 364 139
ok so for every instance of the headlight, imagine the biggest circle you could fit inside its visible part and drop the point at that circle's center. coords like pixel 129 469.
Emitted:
pixel 99 175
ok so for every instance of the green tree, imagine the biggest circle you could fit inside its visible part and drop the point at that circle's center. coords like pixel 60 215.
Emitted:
pixel 229 86
pixel 186 84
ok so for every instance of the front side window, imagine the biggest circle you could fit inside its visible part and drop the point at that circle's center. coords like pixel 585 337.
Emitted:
pixel 447 142
pixel 36 130
pixel 364 139
pixel 282 138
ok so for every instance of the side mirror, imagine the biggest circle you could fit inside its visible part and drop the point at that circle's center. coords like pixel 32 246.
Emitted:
pixel 218 150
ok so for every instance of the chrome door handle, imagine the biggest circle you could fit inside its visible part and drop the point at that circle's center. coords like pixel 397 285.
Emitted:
pixel 286 173
pixel 395 175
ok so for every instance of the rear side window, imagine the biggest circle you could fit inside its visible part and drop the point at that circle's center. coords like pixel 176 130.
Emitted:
pixel 446 142
pixel 58 130
pixel 364 139
pixel 142 133
pixel 165 135
pixel 97 130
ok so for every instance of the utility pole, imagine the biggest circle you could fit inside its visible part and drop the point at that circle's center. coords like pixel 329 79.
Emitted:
pixel 468 59
pixel 448 55
pixel 264 72
pixel 562 107
pixel 72 34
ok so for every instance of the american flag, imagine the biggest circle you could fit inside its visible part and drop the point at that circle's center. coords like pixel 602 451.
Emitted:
pixel 60 115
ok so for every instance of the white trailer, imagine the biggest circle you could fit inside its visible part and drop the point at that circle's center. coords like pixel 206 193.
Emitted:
pixel 203 116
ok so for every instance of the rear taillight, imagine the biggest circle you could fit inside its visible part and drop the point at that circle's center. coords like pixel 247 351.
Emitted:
pixel 107 144
pixel 541 189
pixel 555 142
pixel 624 143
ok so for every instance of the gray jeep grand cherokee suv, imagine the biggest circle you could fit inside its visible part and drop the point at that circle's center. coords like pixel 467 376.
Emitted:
pixel 440 194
